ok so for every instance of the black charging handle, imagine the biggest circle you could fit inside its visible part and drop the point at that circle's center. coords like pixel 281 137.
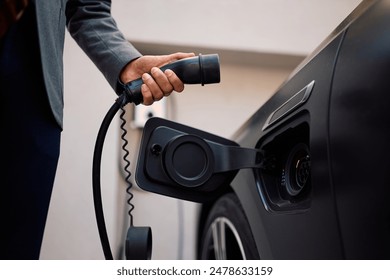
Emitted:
pixel 201 69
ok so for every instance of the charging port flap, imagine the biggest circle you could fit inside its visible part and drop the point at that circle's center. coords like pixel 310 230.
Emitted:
pixel 186 163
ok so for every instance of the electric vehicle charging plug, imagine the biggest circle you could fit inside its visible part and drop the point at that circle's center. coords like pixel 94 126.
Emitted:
pixel 202 69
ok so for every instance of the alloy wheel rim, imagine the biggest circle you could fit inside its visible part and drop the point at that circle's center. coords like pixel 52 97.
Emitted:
pixel 221 234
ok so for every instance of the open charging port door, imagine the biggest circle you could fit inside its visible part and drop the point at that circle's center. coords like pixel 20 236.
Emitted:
pixel 186 163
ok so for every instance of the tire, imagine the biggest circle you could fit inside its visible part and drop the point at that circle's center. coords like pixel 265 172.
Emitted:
pixel 227 234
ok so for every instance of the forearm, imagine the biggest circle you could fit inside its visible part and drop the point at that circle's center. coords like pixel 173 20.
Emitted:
pixel 90 23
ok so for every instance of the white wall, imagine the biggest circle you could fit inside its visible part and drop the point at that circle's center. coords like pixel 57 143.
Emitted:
pixel 277 26
pixel 272 33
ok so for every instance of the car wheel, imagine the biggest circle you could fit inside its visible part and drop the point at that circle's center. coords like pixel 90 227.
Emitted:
pixel 227 235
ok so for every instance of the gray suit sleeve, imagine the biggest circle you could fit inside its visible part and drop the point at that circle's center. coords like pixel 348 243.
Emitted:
pixel 90 23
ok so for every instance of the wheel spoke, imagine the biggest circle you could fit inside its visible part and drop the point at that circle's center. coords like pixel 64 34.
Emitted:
pixel 219 239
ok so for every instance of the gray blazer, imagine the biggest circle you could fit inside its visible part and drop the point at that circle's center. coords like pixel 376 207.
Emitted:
pixel 91 25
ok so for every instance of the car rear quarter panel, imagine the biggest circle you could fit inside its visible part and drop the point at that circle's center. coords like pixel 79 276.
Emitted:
pixel 314 232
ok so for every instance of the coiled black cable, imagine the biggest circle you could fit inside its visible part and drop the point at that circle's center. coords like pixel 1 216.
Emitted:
pixel 127 163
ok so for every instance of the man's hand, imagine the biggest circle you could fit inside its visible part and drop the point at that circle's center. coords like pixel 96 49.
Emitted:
pixel 157 84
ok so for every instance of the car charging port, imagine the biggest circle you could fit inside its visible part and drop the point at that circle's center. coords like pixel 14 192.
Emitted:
pixel 296 174
pixel 285 181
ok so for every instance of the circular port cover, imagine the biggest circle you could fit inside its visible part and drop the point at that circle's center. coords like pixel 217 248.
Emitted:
pixel 188 160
